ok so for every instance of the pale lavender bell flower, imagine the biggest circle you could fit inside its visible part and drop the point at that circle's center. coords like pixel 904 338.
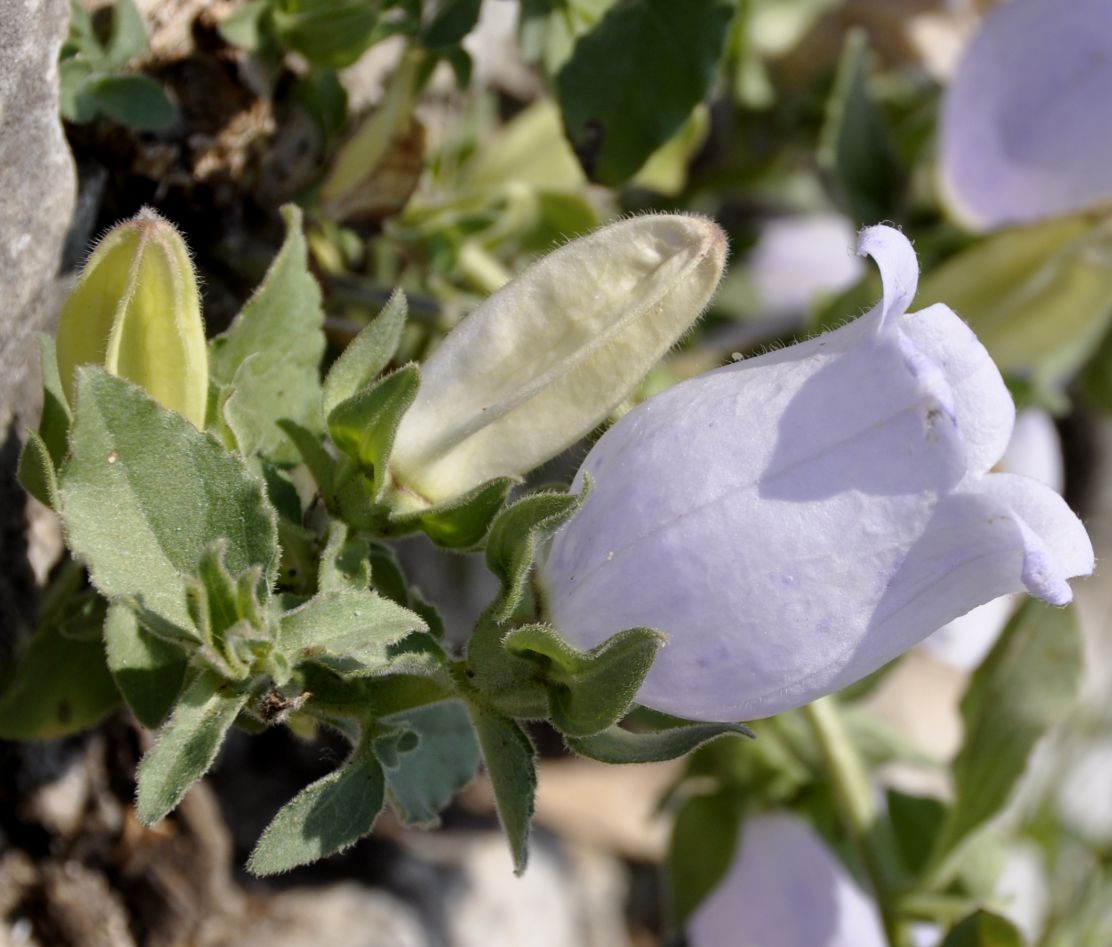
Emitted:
pixel 785 888
pixel 1026 125
pixel 796 520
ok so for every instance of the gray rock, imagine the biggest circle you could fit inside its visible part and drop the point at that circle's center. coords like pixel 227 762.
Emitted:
pixel 37 189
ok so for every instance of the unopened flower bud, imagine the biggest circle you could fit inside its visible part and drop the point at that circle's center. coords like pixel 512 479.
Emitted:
pixel 136 311
pixel 547 357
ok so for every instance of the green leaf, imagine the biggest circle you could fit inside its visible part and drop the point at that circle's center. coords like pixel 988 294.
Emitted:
pixel 188 744
pixel 127 40
pixel 245 26
pixel 916 822
pixel 460 523
pixel 54 425
pixel 313 455
pixel 1039 298
pixel 983 929
pixel 145 494
pixel 617 745
pixel 345 563
pixel 367 355
pixel 511 545
pixel 326 817
pixel 281 324
pixel 510 762
pixel 331 33
pixel 363 426
pixel 348 631
pixel 443 762
pixel 61 685
pixel 704 839
pixel 856 149
pixel 36 471
pixel 452 22
pixel 1027 683
pixel 512 684
pixel 588 691
pixel 634 79
pixel 133 100
pixel 148 671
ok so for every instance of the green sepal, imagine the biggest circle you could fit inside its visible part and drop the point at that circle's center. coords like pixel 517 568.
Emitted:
pixel 36 471
pixel 1028 682
pixel 172 492
pixel 363 426
pixel 326 817
pixel 348 631
pixel 271 353
pixel 509 683
pixel 982 929
pixel 61 685
pixel 588 691
pixel 704 839
pixel 443 762
pixel 618 745
pixel 511 544
pixel 461 523
pixel 367 355
pixel 148 670
pixel 188 744
pixel 511 764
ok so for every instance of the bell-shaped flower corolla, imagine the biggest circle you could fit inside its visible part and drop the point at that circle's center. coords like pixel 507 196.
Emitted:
pixel 785 888
pixel 546 358
pixel 794 521
pixel 1026 124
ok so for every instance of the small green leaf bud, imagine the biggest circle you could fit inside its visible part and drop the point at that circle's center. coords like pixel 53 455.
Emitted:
pixel 137 312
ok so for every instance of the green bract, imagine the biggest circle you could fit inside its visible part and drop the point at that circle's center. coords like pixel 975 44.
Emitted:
pixel 136 312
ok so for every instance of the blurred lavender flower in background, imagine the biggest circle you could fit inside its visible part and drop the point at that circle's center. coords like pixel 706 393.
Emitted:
pixel 1026 121
pixel 785 888
pixel 797 520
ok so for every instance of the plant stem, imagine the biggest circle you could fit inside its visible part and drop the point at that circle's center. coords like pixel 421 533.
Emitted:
pixel 854 795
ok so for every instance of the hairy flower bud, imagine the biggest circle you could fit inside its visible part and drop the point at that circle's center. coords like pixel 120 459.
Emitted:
pixel 551 354
pixel 136 311
pixel 794 521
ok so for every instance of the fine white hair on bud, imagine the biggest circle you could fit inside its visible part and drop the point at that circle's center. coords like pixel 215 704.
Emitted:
pixel 547 357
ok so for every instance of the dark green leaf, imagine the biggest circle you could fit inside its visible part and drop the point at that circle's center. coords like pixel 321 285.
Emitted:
pixel 363 426
pixel 36 471
pixel 331 33
pixel 443 762
pixel 588 691
pixel 616 745
pixel 271 354
pixel 127 40
pixel 136 101
pixel 324 97
pixel 367 355
pixel 461 523
pixel 56 417
pixel 916 822
pixel 856 149
pixel 984 930
pixel 1027 683
pixel 148 671
pixel 313 455
pixel 512 542
pixel 704 838
pixel 61 685
pixel 634 79
pixel 145 494
pixel 188 744
pixel 326 817
pixel 510 762
pixel 346 630
pixel 452 22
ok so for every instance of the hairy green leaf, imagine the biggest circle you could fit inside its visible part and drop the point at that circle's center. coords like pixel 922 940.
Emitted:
pixel 148 671
pixel 188 744
pixel 617 745
pixel 172 492
pixel 326 817
pixel 460 523
pixel 367 355
pixel 36 471
pixel 133 100
pixel 281 325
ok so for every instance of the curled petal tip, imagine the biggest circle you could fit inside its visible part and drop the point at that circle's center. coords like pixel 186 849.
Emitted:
pixel 899 269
